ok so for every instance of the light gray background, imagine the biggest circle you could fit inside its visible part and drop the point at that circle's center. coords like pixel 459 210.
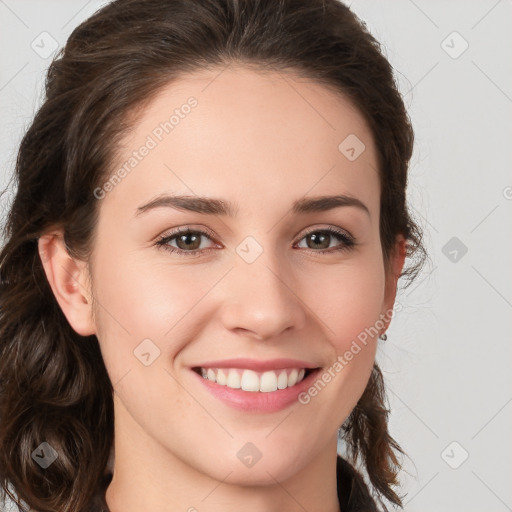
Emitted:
pixel 447 360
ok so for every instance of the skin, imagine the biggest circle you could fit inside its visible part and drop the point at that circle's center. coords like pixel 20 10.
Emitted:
pixel 262 141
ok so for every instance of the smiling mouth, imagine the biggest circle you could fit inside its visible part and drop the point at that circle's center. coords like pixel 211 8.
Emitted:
pixel 249 380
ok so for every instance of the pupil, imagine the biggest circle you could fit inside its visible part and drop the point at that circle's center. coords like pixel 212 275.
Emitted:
pixel 185 237
pixel 323 236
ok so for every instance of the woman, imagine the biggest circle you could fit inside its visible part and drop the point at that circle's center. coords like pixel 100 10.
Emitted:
pixel 203 250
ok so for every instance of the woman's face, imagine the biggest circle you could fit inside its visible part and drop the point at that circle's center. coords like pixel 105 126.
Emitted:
pixel 258 280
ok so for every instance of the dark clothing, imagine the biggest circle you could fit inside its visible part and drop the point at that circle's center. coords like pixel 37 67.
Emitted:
pixel 353 492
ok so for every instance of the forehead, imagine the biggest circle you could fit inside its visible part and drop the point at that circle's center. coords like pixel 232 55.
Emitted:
pixel 248 136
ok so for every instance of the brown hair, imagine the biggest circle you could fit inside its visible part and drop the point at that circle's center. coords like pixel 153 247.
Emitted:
pixel 53 383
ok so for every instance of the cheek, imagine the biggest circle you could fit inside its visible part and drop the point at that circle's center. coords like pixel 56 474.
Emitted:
pixel 348 299
pixel 142 299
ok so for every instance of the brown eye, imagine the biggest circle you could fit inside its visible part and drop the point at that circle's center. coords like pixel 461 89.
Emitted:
pixel 188 242
pixel 319 240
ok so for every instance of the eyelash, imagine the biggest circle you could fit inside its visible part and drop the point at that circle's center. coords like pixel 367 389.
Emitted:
pixel 348 241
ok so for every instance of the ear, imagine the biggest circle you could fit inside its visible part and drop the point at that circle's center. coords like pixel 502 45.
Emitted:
pixel 396 264
pixel 68 279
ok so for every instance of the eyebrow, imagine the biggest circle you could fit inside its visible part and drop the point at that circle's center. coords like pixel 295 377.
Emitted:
pixel 213 206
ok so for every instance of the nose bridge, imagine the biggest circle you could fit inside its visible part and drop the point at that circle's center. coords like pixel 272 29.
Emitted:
pixel 260 297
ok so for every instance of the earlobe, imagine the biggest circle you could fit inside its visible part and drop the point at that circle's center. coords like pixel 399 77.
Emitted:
pixel 68 280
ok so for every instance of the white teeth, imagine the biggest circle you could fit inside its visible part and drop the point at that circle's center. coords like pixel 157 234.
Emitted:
pixel 282 380
pixel 268 382
pixel 249 380
pixel 292 378
pixel 233 380
pixel 222 378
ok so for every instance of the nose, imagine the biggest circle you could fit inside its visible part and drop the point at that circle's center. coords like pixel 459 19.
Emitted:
pixel 262 300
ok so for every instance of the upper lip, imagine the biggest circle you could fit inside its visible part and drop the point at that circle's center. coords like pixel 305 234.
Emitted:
pixel 257 365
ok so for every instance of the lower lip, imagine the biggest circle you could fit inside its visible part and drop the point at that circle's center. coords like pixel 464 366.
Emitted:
pixel 257 401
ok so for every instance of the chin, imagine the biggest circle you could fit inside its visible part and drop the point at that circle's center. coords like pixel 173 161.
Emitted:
pixel 251 466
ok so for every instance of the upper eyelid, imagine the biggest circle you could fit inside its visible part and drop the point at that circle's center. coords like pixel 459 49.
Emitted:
pixel 187 229
pixel 313 229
